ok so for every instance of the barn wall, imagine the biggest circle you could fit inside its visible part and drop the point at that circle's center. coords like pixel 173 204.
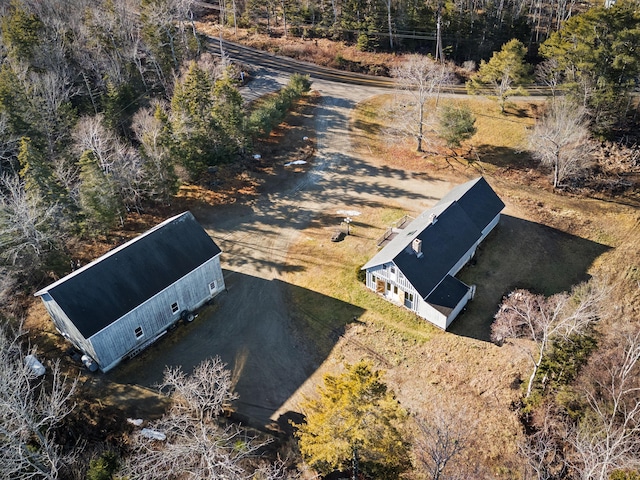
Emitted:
pixel 155 315
pixel 65 326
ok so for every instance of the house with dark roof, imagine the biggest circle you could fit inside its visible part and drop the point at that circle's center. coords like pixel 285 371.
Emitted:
pixel 122 302
pixel 417 268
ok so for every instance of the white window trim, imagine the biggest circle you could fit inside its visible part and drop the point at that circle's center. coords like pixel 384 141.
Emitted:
pixel 135 332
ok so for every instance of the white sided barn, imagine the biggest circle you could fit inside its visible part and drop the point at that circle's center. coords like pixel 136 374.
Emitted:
pixel 416 268
pixel 122 302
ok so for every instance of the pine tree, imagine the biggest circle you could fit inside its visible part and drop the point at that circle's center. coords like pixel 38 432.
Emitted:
pixel 229 114
pixel 456 124
pixel 598 53
pixel 504 74
pixel 192 124
pixel 99 201
pixel 20 31
pixel 355 420
pixel 37 174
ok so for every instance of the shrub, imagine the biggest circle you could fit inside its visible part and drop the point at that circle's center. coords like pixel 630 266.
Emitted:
pixel 103 468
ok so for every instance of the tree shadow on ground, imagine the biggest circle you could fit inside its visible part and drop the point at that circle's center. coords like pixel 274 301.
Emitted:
pixel 269 353
pixel 521 254
pixel 506 157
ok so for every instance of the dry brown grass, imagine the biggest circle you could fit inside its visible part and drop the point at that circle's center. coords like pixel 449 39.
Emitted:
pixel 547 242
pixel 320 51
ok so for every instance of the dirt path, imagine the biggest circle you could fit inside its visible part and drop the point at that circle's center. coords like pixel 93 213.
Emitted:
pixel 250 327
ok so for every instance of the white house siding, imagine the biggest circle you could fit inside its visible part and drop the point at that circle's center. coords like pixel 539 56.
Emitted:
pixel 464 259
pixel 154 316
pixel 456 311
pixel 489 227
pixel 396 279
pixel 430 314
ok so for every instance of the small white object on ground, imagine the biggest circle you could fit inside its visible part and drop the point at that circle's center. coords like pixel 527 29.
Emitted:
pixel 348 213
pixel 153 434
pixel 296 162
pixel 34 365
pixel 257 156
pixel 135 421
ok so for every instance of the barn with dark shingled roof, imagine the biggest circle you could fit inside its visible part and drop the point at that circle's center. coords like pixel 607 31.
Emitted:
pixel 122 302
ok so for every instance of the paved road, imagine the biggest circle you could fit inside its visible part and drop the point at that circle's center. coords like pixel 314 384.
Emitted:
pixel 266 60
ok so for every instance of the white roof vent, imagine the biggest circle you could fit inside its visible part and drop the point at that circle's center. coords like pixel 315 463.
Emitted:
pixel 432 219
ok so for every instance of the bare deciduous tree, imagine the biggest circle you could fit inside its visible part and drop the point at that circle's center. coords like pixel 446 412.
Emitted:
pixel 204 393
pixel 31 410
pixel 543 320
pixel 27 226
pixel 116 159
pixel 441 439
pixel 159 173
pixel 543 449
pixel 550 74
pixel 608 437
pixel 561 140
pixel 420 78
pixel 196 445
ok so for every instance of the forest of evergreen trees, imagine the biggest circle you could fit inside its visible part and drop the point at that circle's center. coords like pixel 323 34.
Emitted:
pixel 104 108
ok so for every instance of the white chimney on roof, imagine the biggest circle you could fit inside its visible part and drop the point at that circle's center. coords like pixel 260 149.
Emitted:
pixel 416 246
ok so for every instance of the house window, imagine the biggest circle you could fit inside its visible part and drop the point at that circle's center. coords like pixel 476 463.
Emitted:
pixel 388 286
pixel 139 333
pixel 212 286
pixel 174 307
pixel 393 269
pixel 408 300
pixel 395 289
pixel 384 267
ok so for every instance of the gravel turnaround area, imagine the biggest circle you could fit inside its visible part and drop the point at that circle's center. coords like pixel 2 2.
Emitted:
pixel 249 326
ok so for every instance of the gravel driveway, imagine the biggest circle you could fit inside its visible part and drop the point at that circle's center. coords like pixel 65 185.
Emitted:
pixel 250 326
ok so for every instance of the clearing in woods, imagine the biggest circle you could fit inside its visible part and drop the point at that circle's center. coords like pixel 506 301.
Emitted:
pixel 295 309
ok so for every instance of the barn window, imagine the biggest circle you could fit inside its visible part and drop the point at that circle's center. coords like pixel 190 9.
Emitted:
pixel 212 287
pixel 138 331
pixel 174 307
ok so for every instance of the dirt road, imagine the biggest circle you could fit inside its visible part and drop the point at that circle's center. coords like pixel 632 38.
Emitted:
pixel 250 327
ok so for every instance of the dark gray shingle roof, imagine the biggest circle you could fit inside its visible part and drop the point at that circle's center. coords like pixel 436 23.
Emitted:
pixel 446 296
pixel 443 244
pixel 461 215
pixel 98 294
pixel 478 199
